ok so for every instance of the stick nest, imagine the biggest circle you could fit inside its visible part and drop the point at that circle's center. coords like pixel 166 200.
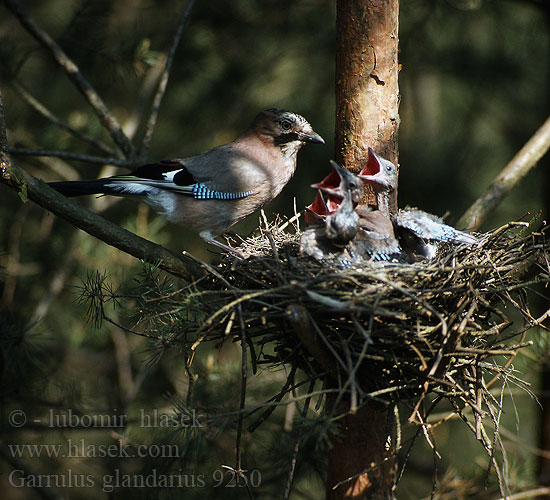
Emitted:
pixel 385 331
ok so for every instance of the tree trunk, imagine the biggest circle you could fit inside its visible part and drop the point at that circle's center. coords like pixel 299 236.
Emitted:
pixel 367 99
pixel 367 92
pixel 361 446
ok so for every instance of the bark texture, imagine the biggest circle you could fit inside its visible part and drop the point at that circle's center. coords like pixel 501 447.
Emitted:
pixel 367 101
pixel 367 91
pixel 360 465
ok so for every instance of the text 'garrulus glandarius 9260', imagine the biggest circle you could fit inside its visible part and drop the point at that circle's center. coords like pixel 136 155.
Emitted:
pixel 213 190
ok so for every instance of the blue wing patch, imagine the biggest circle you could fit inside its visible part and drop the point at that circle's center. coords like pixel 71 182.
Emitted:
pixel 202 192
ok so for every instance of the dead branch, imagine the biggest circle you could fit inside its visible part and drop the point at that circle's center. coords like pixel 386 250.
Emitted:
pixel 71 69
pixel 511 174
pixel 151 122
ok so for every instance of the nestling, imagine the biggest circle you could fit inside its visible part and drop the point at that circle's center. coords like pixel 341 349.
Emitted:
pixel 341 224
pixel 420 232
pixel 368 233
pixel 333 221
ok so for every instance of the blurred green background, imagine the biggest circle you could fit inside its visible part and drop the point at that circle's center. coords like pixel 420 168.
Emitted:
pixel 474 87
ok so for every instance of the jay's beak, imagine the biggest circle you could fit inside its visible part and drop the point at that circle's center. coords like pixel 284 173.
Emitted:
pixel 312 137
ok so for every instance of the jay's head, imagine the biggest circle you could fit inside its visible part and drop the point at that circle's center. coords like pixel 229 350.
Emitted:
pixel 285 129
pixel 379 172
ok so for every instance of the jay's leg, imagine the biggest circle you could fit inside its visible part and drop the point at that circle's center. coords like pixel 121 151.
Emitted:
pixel 209 238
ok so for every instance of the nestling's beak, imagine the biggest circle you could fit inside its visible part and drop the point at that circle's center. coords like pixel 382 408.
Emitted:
pixel 372 171
pixel 330 184
pixel 312 137
pixel 317 211
pixel 372 167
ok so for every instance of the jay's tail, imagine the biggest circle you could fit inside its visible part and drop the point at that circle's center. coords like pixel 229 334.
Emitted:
pixel 81 188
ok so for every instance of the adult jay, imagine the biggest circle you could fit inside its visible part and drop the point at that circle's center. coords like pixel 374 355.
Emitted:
pixel 212 191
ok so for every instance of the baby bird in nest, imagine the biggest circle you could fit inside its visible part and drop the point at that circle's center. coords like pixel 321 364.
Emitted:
pixel 353 233
pixel 345 231
pixel 419 232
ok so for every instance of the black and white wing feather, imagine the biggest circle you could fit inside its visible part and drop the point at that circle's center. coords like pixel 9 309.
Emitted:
pixel 167 175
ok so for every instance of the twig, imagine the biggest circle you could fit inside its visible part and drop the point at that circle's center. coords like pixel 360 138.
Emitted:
pixel 240 474
pixel 537 492
pixel 519 166
pixel 290 477
pixel 70 156
pixel 161 89
pixel 265 415
pixel 3 127
pixel 244 377
pixel 106 318
pixel 298 317
pixel 364 471
pixel 71 69
pixel 227 308
pixel 46 113
pixel 28 186
pixel 290 221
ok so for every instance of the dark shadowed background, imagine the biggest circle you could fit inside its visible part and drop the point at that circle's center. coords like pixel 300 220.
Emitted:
pixel 474 87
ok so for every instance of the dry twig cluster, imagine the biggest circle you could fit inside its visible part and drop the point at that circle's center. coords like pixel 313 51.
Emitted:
pixel 390 332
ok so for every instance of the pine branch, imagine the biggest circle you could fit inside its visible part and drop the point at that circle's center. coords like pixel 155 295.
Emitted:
pixel 511 174
pixel 34 189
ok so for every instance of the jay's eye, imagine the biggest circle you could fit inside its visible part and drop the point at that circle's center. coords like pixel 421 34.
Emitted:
pixel 286 124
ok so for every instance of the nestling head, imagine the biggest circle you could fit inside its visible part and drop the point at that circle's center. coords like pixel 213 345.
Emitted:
pixel 340 183
pixel 379 172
